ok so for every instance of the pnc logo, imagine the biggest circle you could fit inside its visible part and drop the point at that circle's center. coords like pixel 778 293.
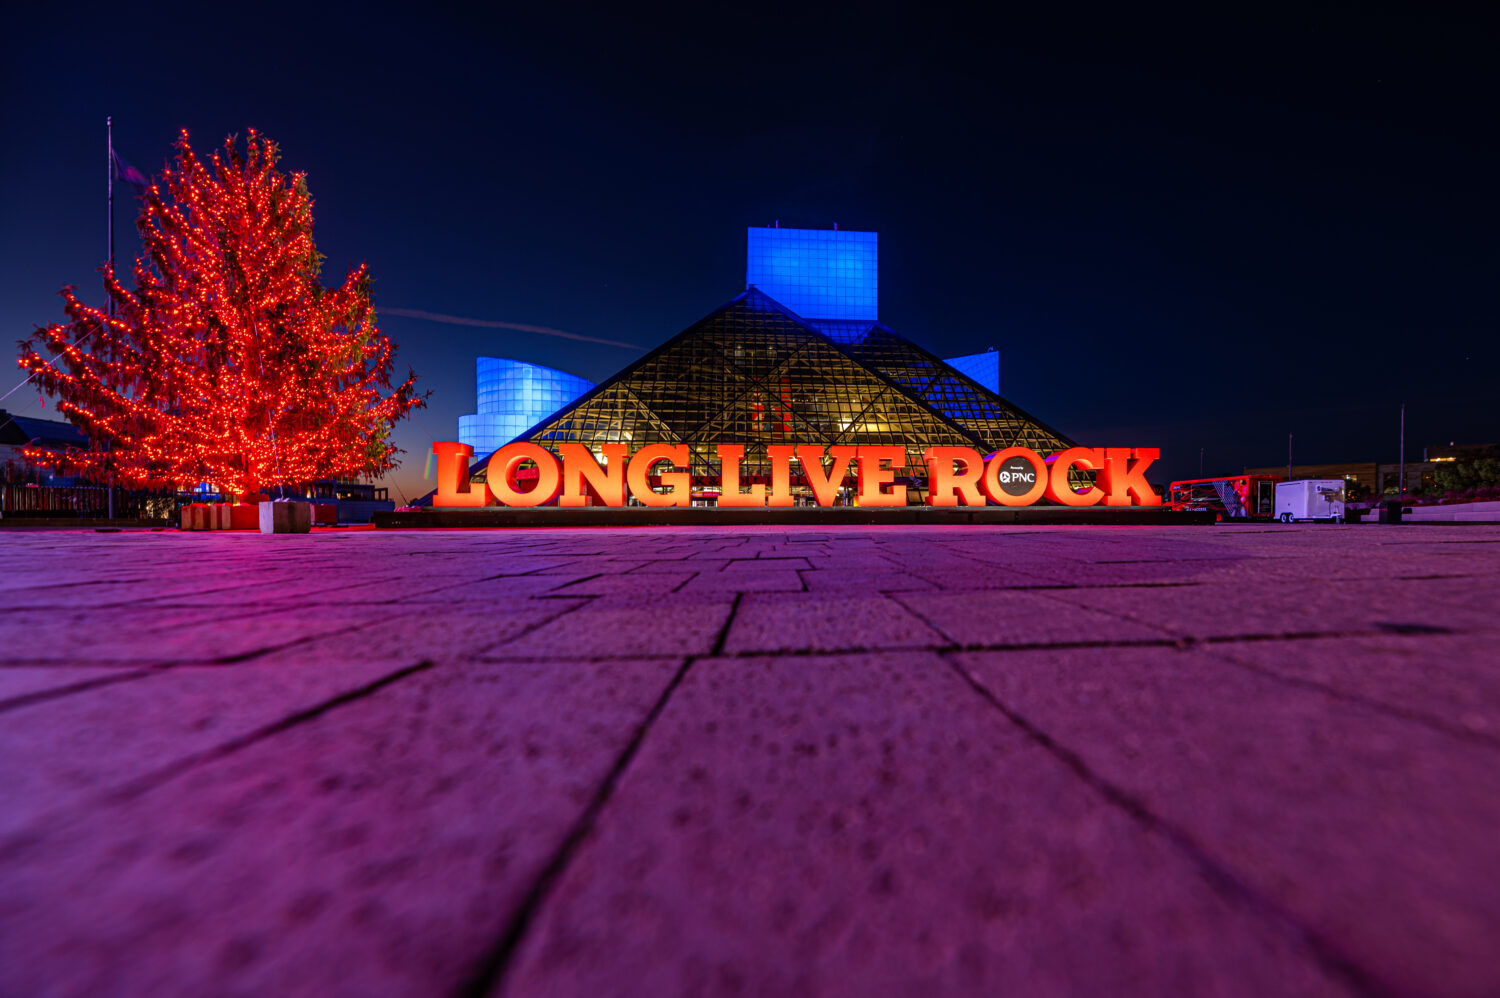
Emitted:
pixel 956 476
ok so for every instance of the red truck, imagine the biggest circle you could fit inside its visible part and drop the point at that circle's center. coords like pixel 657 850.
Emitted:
pixel 1238 497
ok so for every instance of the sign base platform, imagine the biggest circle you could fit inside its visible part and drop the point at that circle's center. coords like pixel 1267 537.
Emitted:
pixel 802 516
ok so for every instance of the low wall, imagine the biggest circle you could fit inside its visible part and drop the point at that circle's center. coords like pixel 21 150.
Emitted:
pixel 1459 512
pixel 640 516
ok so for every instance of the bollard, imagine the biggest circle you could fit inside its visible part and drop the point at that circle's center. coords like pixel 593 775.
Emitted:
pixel 285 517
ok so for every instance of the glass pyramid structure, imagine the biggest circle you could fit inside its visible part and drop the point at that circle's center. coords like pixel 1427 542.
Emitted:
pixel 755 373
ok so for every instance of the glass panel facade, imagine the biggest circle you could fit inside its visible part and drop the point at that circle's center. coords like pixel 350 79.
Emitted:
pixel 799 358
pixel 816 273
pixel 514 396
pixel 959 397
pixel 753 373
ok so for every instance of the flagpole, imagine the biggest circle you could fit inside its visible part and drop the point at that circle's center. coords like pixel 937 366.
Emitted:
pixel 109 133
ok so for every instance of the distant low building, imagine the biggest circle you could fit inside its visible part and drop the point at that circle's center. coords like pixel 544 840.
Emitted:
pixel 1383 478
pixel 1364 474
pixel 20 432
pixel 1444 453
pixel 356 501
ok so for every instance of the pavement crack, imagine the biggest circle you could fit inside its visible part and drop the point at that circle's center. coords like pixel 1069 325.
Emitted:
pixel 560 590
pixel 152 780
pixel 1394 710
pixel 1219 875
pixel 536 624
pixel 678 587
pixel 1398 627
pixel 489 976
pixel 734 609
pixel 924 619
pixel 246 656
pixel 41 696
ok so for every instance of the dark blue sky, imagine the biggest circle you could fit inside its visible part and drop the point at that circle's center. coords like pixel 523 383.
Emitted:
pixel 1201 228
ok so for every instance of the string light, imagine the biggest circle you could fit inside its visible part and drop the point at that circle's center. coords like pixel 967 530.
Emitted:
pixel 229 363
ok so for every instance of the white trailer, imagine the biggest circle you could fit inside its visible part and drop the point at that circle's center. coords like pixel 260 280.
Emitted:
pixel 1310 499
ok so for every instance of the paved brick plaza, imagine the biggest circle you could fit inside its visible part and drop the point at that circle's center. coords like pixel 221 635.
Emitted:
pixel 861 761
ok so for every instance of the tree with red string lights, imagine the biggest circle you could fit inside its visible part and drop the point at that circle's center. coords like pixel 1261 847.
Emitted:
pixel 229 363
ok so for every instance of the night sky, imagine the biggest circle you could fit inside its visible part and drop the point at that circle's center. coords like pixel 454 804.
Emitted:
pixel 1197 229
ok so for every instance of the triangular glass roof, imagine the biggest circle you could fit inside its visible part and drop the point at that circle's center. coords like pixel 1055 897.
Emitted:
pixel 754 373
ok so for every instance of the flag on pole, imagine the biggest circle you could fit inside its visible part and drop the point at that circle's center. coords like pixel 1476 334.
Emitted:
pixel 124 171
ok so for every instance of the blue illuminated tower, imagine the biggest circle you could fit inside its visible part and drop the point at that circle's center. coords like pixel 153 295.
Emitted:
pixel 817 273
pixel 831 279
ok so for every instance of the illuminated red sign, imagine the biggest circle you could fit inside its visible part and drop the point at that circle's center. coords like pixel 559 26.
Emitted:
pixel 956 476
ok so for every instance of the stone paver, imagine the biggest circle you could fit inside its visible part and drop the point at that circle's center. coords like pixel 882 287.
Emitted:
pixel 1019 617
pixel 862 826
pixel 231 628
pixel 69 751
pixel 664 627
pixel 759 761
pixel 820 622
pixel 1309 779
pixel 1448 679
pixel 1271 608
pixel 379 850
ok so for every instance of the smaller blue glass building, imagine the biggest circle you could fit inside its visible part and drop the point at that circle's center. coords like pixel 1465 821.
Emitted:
pixel 514 396
pixel 984 368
